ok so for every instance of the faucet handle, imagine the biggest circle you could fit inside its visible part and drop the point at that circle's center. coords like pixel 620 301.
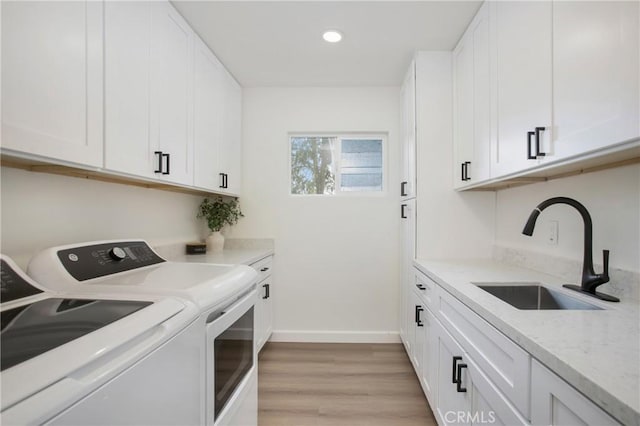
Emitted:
pixel 605 262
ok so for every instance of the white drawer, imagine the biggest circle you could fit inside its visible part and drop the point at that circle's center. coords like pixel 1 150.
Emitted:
pixel 263 267
pixel 426 288
pixel 506 364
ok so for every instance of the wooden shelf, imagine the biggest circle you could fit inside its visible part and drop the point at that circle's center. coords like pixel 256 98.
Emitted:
pixel 618 156
pixel 7 160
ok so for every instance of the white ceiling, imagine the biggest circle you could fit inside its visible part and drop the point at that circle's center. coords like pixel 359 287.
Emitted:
pixel 279 43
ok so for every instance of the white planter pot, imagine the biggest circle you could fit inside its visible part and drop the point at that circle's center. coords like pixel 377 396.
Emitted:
pixel 215 242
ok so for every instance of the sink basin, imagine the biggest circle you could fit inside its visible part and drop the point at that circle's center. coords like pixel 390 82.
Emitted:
pixel 534 296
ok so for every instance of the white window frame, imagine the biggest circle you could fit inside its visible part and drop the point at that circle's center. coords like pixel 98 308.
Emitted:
pixel 383 136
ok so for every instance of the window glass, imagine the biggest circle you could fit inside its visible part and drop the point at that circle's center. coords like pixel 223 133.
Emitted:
pixel 333 164
pixel 361 165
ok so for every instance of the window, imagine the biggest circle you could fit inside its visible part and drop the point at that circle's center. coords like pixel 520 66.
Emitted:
pixel 334 164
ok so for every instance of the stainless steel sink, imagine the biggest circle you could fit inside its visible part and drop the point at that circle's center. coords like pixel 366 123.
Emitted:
pixel 534 296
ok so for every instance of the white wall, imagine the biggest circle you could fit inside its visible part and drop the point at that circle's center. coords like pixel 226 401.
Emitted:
pixel 612 198
pixel 337 261
pixel 450 224
pixel 42 210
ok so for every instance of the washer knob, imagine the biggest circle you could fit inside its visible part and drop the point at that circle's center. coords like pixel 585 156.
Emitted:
pixel 117 253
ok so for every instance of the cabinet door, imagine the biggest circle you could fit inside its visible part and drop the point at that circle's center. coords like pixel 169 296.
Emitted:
pixel 264 313
pixel 429 364
pixel 128 145
pixel 408 251
pixel 555 402
pixel 408 134
pixel 463 109
pixel 267 314
pixel 522 77
pixel 595 75
pixel 208 113
pixel 171 92
pixel 230 147
pixel 488 405
pixel 472 106
pixel 52 80
pixel 452 405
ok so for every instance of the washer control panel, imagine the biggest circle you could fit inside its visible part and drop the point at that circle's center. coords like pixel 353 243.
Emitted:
pixel 12 285
pixel 94 261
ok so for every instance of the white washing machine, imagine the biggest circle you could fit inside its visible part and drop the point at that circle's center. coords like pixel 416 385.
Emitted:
pixel 76 359
pixel 224 294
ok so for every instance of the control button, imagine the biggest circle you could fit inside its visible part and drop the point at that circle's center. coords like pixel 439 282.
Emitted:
pixel 73 257
pixel 117 253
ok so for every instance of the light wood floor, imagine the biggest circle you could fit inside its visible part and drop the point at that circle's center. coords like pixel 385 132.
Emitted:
pixel 318 384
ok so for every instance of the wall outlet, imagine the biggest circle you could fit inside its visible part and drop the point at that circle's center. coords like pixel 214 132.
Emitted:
pixel 552 233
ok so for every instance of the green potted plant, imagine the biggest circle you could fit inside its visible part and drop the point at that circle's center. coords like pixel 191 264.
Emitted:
pixel 218 213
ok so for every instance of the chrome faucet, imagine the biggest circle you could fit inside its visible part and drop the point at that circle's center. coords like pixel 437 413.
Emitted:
pixel 590 280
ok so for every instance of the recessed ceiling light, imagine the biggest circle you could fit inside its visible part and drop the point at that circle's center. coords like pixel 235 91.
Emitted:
pixel 332 36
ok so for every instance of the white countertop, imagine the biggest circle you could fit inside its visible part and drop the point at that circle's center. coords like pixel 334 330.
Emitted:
pixel 596 351
pixel 234 256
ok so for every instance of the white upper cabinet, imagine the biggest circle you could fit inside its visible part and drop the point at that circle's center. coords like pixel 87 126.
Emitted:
pixel 230 151
pixel 52 80
pixel 217 124
pixel 408 134
pixel 563 82
pixel 128 145
pixel 595 75
pixel 472 102
pixel 522 78
pixel 208 112
pixel 171 92
pixel 148 86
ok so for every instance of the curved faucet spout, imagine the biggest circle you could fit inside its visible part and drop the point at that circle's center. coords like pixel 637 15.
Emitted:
pixel 590 280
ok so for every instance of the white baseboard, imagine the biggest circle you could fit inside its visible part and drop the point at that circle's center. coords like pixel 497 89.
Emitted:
pixel 309 336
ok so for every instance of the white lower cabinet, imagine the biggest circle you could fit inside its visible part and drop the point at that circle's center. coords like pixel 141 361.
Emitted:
pixel 555 402
pixel 264 306
pixel 472 374
pixel 465 395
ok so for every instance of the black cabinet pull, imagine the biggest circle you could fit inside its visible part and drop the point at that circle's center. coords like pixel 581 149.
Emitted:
pixel 168 157
pixel 419 309
pixel 421 287
pixel 403 187
pixel 453 369
pixel 159 169
pixel 226 180
pixel 529 142
pixel 462 173
pixel 459 387
pixel 538 152
pixel 221 180
pixel 402 212
pixel 264 269
pixel 266 291
pixel 466 170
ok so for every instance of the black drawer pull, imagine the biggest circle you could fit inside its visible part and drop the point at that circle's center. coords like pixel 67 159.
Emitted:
pixel 403 215
pixel 420 287
pixel 168 157
pixel 403 187
pixel 529 142
pixel 466 170
pixel 264 269
pixel 538 152
pixel 159 169
pixel 453 368
pixel 459 387
pixel 266 291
